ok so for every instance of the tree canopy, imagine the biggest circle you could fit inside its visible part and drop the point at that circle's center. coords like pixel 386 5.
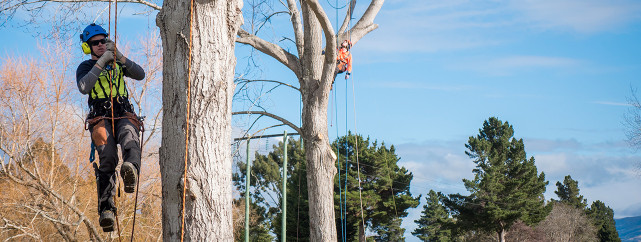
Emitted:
pixel 603 217
pixel 506 186
pixel 568 193
pixel 435 219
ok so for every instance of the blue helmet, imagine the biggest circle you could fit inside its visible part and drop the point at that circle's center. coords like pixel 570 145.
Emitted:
pixel 91 31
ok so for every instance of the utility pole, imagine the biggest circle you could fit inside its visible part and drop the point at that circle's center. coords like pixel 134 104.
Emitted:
pixel 283 235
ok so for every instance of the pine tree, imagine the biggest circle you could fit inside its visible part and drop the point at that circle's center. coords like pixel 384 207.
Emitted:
pixel 506 186
pixel 568 193
pixel 435 219
pixel 385 188
pixel 386 195
pixel 603 217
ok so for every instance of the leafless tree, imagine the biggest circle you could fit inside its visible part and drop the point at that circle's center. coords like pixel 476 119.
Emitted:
pixel 43 179
pixel 567 223
pixel 315 72
pixel 633 123
pixel 49 191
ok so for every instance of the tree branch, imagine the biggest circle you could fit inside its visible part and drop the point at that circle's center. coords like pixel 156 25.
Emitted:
pixel 348 18
pixel 8 225
pixel 271 49
pixel 330 42
pixel 143 2
pixel 365 24
pixel 284 121
pixel 297 25
pixel 281 83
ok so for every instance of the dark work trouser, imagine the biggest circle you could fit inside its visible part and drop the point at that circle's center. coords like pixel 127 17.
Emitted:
pixel 127 136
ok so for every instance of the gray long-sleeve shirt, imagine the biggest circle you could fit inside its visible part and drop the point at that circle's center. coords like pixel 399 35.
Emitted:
pixel 87 74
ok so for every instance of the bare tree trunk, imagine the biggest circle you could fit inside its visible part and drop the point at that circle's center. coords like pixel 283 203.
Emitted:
pixel 315 72
pixel 320 170
pixel 208 208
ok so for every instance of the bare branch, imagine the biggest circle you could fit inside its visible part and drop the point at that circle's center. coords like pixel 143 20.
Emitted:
pixel 271 49
pixel 143 2
pixel 281 83
pixel 9 225
pixel 330 41
pixel 268 19
pixel 365 24
pixel 284 121
pixel 297 25
pixel 348 18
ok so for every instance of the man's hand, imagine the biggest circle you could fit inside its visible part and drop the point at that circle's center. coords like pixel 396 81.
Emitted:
pixel 347 76
pixel 105 59
pixel 111 46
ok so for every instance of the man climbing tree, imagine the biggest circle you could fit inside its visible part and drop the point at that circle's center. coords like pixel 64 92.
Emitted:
pixel 344 59
pixel 111 117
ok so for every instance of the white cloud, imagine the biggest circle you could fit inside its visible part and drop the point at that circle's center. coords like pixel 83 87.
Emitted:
pixel 508 65
pixel 605 171
pixel 420 85
pixel 583 16
pixel 612 103
pixel 552 163
pixel 431 26
pixel 623 197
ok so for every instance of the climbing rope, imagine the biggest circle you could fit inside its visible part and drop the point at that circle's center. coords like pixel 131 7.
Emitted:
pixel 342 202
pixel 338 164
pixel 358 166
pixel 133 226
pixel 191 18
pixel 111 96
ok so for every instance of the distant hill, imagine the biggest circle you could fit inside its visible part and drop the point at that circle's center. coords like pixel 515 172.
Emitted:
pixel 629 228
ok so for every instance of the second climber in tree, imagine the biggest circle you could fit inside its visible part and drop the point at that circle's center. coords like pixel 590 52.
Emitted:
pixel 103 80
pixel 344 60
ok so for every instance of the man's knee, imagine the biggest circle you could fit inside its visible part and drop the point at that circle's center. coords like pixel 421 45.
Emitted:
pixel 108 154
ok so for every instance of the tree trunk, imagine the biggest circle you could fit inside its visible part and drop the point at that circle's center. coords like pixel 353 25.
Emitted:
pixel 361 232
pixel 320 170
pixel 208 206
pixel 502 235
pixel 320 156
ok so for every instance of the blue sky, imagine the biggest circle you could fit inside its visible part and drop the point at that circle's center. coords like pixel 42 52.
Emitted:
pixel 559 71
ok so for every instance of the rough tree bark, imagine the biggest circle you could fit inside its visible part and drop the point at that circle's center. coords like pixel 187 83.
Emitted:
pixel 315 73
pixel 209 197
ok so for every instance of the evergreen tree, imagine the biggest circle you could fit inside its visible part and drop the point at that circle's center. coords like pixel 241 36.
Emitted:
pixel 568 193
pixel 390 231
pixel 603 217
pixel 297 198
pixel 434 221
pixel 506 186
pixel 385 188
pixel 385 193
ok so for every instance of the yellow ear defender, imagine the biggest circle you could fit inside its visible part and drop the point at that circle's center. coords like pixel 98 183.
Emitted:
pixel 85 48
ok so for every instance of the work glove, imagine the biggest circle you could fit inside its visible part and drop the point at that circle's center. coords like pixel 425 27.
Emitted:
pixel 111 46
pixel 105 59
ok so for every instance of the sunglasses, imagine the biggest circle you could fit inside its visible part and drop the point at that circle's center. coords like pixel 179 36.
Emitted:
pixel 97 42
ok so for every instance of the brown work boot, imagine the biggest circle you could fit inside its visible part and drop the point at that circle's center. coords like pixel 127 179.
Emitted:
pixel 106 220
pixel 129 175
